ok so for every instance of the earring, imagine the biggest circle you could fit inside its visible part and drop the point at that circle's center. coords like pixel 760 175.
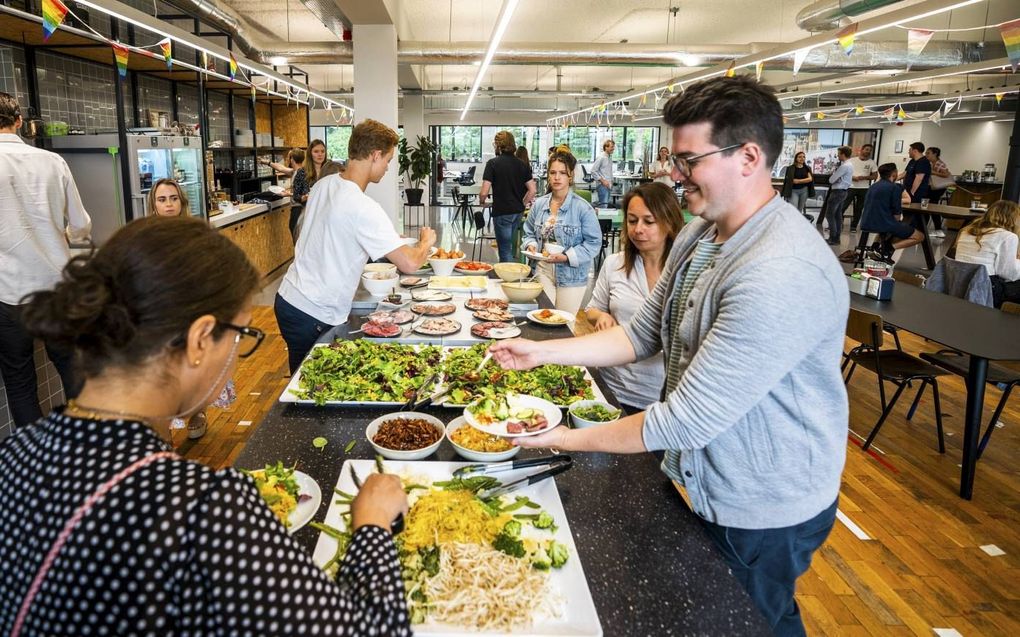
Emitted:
pixel 196 362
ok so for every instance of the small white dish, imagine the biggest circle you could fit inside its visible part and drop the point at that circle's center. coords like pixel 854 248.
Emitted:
pixel 581 423
pixel 471 454
pixel 567 317
pixel 395 454
pixel 305 509
pixel 553 416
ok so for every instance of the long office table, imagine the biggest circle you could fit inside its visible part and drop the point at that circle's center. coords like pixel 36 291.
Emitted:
pixel 946 212
pixel 982 332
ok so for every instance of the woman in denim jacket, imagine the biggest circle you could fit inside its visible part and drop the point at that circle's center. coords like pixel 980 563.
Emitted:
pixel 561 218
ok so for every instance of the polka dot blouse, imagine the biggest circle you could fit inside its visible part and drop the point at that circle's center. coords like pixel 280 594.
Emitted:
pixel 175 548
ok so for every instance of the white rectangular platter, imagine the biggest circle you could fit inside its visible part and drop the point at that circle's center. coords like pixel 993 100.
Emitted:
pixel 578 616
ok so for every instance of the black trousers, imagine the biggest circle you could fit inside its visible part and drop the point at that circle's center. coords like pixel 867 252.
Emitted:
pixel 17 367
pixel 856 197
pixel 1004 291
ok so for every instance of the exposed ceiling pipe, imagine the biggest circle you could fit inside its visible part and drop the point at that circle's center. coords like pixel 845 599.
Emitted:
pixel 826 15
pixel 867 55
pixel 329 15
pixel 210 13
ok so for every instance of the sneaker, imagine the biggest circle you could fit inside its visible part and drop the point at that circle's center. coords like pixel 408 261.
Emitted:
pixel 938 233
pixel 833 242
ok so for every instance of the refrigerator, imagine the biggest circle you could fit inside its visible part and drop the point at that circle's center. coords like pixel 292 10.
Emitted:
pixel 95 165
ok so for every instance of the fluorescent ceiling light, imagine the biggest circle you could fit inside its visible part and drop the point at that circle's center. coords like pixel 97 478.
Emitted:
pixel 502 23
pixel 871 25
pixel 690 60
pixel 277 60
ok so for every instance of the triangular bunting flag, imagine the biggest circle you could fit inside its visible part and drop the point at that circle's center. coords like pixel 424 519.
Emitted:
pixel 53 13
pixel 798 59
pixel 901 114
pixel 252 93
pixel 731 70
pixel 167 48
pixel 807 117
pixel 820 115
pixel 917 39
pixel 1010 32
pixel 121 52
pixel 670 87
pixel 758 68
pixel 859 110
pixel 644 99
pixel 948 106
pixel 846 38
pixel 998 98
pixel 889 114
pixel 845 116
pixel 232 67
pixel 936 117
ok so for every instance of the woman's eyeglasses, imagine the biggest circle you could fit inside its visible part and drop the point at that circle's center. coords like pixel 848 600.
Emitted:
pixel 686 164
pixel 248 339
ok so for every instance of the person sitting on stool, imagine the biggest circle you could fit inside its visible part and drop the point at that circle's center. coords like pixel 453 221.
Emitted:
pixel 883 213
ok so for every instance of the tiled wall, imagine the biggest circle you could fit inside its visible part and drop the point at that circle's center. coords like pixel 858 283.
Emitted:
pixel 13 78
pixel 78 92
pixel 51 392
pixel 219 122
pixel 154 94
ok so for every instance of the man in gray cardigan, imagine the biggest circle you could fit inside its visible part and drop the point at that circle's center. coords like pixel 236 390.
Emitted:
pixel 750 313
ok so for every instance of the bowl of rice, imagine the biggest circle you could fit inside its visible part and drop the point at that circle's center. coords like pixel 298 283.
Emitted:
pixel 476 445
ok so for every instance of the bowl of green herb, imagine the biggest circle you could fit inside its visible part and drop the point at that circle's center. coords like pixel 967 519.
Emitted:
pixel 590 413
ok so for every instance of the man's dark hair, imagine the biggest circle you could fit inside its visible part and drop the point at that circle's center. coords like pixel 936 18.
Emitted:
pixel 885 170
pixel 918 146
pixel 10 111
pixel 846 151
pixel 935 150
pixel 871 146
pixel 739 109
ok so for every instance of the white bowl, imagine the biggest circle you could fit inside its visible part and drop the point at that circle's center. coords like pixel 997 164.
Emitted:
pixel 393 454
pixel 379 287
pixel 380 267
pixel 471 454
pixel 553 248
pixel 581 423
pixel 444 267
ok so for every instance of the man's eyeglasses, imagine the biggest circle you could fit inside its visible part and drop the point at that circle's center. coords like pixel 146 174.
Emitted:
pixel 686 164
pixel 248 339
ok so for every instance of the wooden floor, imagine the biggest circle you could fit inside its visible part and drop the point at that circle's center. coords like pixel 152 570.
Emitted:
pixel 919 565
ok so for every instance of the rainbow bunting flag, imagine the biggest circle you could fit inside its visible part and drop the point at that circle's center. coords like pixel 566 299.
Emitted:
pixel 167 48
pixel 644 99
pixel 233 66
pixel 889 114
pixel 53 14
pixel 917 39
pixel 121 52
pixel 731 71
pixel 859 110
pixel 1010 32
pixel 846 38
pixel 998 98
pixel 901 115
pixel 820 115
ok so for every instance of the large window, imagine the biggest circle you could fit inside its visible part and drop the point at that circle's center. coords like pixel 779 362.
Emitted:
pixel 337 139
pixel 473 144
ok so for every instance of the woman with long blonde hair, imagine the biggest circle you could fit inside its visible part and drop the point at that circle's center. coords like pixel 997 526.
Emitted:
pixel 992 240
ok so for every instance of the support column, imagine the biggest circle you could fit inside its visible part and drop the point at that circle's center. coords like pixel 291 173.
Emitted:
pixel 413 118
pixel 1011 183
pixel 375 97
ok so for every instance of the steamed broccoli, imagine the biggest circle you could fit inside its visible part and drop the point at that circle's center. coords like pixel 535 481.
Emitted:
pixel 509 540
pixel 558 553
pixel 540 559
pixel 545 521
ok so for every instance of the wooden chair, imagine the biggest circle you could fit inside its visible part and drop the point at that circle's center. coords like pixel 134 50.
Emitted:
pixel 893 365
pixel 1003 376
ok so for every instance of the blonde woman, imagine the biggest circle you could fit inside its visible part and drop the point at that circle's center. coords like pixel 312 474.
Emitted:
pixel 663 168
pixel 992 241
pixel 166 198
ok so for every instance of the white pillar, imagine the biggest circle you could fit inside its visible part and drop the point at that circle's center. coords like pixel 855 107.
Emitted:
pixel 375 97
pixel 413 118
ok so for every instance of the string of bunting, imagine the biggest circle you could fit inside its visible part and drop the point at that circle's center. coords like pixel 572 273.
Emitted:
pixel 917 40
pixel 895 112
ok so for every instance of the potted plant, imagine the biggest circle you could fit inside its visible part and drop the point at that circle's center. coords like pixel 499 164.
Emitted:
pixel 416 163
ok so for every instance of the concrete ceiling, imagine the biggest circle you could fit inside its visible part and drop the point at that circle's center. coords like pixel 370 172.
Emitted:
pixel 722 22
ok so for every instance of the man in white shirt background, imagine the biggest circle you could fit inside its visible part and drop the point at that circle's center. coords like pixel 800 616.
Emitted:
pixel 865 172
pixel 342 228
pixel 40 212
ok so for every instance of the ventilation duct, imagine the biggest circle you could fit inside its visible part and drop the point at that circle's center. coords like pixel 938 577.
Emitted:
pixel 208 12
pixel 830 14
pixel 329 15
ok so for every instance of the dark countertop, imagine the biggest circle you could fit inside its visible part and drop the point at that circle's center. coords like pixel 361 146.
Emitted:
pixel 650 567
pixel 992 184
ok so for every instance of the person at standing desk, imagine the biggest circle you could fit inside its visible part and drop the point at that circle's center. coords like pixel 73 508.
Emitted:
pixel 40 212
pixel 343 229
pixel 865 172
pixel 798 184
pixel 602 171
pixel 839 186
pixel 513 188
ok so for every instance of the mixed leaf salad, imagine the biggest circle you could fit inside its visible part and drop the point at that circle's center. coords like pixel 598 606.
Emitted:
pixel 278 488
pixel 561 385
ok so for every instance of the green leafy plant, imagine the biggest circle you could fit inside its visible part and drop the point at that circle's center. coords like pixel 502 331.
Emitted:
pixel 416 161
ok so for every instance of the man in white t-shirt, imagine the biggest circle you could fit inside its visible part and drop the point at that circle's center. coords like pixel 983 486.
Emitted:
pixel 342 229
pixel 865 172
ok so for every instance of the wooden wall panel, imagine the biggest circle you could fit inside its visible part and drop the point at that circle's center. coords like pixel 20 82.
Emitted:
pixel 264 238
pixel 263 118
pixel 291 124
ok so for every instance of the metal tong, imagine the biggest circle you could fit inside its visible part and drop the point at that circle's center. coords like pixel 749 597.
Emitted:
pixel 398 523
pixel 410 404
pixel 555 464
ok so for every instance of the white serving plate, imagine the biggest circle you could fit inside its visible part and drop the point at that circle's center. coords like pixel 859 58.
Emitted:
pixel 519 401
pixel 533 317
pixel 578 618
pixel 304 511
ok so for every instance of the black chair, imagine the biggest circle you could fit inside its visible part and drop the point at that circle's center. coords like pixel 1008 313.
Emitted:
pixel 467 178
pixel 1002 376
pixel 587 178
pixel 606 225
pixel 893 365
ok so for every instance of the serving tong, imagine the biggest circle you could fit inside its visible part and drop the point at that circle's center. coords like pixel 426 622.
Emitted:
pixel 411 405
pixel 398 522
pixel 556 464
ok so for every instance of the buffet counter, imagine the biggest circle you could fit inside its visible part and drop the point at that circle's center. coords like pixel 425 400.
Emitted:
pixel 650 567
pixel 262 231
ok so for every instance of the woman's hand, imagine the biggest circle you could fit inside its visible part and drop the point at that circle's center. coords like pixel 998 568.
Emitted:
pixel 379 502
pixel 553 439
pixel 558 258
pixel 517 353
pixel 604 322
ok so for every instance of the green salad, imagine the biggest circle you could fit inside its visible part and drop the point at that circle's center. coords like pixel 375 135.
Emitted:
pixel 559 384
pixel 597 413
pixel 365 371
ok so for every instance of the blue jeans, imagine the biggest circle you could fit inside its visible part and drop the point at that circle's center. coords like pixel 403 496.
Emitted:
pixel 834 213
pixel 505 226
pixel 767 562
pixel 299 330
pixel 603 193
